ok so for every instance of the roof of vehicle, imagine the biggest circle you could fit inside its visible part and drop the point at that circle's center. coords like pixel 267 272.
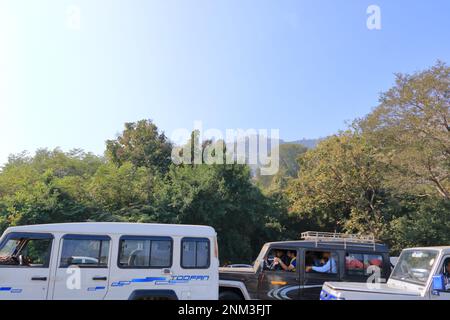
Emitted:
pixel 445 249
pixel 330 244
pixel 119 228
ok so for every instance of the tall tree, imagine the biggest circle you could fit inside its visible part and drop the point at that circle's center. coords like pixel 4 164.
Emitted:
pixel 141 144
pixel 340 186
pixel 221 196
pixel 411 130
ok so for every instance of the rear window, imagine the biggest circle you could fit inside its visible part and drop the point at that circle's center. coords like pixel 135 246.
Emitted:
pixel 362 264
pixel 195 253
pixel 145 252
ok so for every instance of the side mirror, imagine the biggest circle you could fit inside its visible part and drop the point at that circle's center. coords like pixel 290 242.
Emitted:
pixel 438 284
pixel 21 261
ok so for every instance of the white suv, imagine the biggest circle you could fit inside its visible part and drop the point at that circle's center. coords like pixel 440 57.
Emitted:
pixel 109 261
pixel 420 274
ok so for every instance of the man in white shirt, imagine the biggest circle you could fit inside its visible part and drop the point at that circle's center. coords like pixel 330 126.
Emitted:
pixel 330 265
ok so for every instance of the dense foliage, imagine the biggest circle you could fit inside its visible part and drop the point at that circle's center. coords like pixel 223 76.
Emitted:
pixel 387 175
pixel 131 184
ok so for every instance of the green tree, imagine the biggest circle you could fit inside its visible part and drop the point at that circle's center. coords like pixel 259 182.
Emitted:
pixel 424 222
pixel 142 145
pixel 221 196
pixel 49 187
pixel 42 202
pixel 340 185
pixel 411 131
pixel 289 167
pixel 113 188
pixel 22 170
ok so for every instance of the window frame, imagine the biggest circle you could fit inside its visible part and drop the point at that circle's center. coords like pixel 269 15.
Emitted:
pixel 196 239
pixel 30 236
pixel 363 253
pixel 94 237
pixel 283 272
pixel 148 238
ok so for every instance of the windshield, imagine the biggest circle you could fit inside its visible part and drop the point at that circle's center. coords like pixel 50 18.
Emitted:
pixel 415 266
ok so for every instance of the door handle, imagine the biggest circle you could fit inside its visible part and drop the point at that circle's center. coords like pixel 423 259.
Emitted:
pixel 39 278
pixel 99 278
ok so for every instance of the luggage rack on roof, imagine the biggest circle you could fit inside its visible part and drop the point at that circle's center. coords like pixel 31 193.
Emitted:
pixel 353 239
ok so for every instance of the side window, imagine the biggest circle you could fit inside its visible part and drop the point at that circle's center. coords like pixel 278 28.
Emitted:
pixel 26 250
pixel 195 253
pixel 85 251
pixel 322 262
pixel 145 252
pixel 358 264
pixel 278 259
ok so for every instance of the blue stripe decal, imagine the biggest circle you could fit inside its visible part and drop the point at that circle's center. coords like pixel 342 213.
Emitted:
pixel 10 290
pixel 177 279
pixel 149 279
pixel 96 288
pixel 137 280
pixel 16 290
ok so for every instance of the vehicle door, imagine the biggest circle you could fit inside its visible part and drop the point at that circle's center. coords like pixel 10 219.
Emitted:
pixel 318 266
pixel 276 283
pixel 144 263
pixel 82 272
pixel 443 295
pixel 24 266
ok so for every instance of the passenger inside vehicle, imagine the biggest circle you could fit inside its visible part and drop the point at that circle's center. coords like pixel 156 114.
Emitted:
pixel 292 255
pixel 328 263
pixel 273 258
pixel 312 259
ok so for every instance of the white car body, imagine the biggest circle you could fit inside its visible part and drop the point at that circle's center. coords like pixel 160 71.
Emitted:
pixel 394 289
pixel 113 280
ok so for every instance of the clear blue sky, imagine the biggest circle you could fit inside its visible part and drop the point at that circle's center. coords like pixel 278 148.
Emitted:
pixel 302 66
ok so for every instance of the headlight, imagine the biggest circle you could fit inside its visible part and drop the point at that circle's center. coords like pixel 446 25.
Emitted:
pixel 324 295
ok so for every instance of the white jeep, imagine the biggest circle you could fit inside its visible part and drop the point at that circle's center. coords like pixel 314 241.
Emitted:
pixel 420 274
pixel 109 261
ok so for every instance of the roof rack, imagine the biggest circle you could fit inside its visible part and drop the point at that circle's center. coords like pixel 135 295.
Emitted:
pixel 353 239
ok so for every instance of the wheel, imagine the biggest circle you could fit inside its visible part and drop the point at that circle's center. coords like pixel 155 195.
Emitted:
pixel 229 295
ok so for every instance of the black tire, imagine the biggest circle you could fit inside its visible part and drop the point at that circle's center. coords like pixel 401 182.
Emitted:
pixel 230 295
pixel 153 295
pixel 154 299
